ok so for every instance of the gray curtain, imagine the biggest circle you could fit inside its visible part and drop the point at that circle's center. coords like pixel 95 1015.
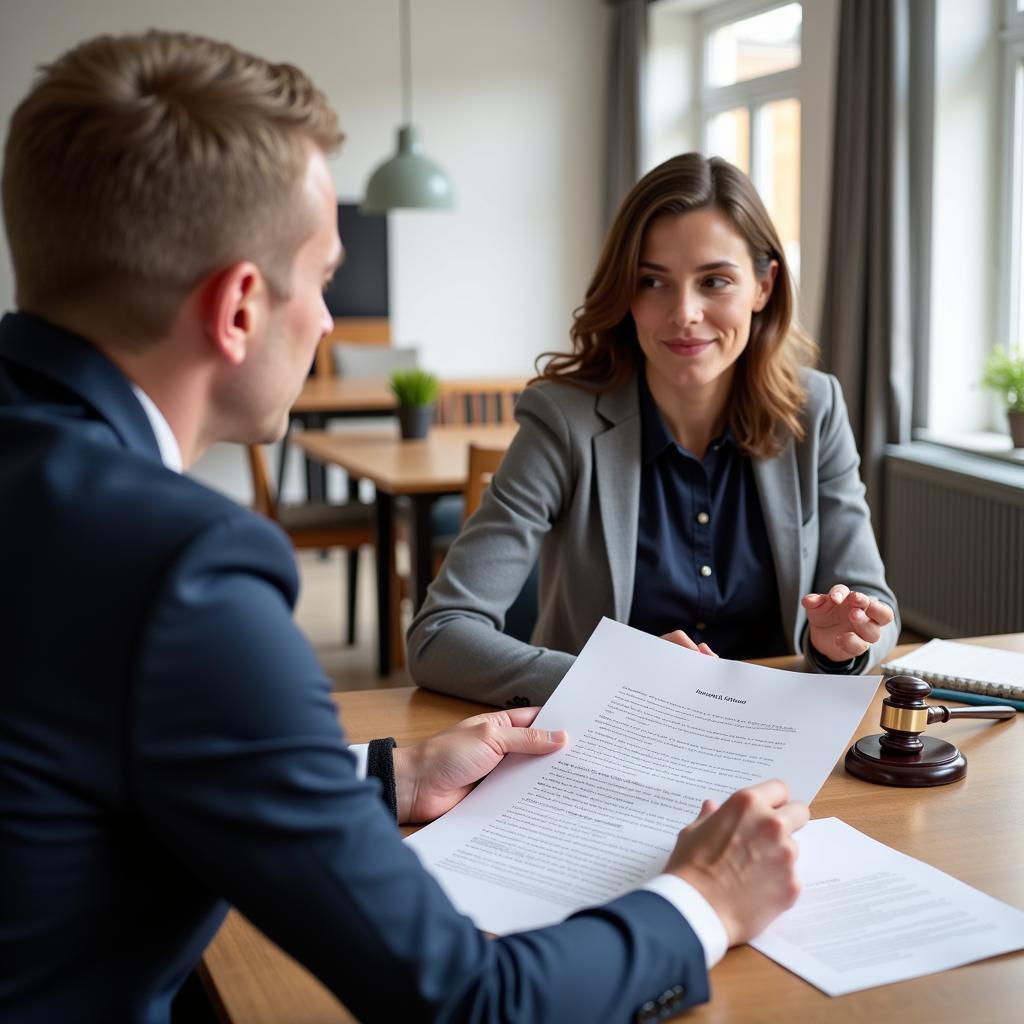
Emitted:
pixel 874 323
pixel 624 101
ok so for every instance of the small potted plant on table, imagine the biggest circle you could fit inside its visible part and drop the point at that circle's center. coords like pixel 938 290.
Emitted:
pixel 1005 373
pixel 416 391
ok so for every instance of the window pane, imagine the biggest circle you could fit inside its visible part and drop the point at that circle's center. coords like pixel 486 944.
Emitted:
pixel 779 172
pixel 729 137
pixel 760 45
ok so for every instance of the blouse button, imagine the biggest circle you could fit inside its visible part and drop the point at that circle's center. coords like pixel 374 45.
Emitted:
pixel 705 570
pixel 701 626
pixel 703 518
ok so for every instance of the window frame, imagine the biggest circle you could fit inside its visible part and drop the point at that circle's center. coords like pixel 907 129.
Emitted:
pixel 1010 314
pixel 752 93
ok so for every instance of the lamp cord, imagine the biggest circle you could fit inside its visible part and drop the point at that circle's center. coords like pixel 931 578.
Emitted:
pixel 406 64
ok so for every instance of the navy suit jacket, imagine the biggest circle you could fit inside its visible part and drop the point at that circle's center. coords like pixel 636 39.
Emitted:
pixel 168 746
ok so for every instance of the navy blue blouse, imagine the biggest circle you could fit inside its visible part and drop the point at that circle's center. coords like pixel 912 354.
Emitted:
pixel 703 561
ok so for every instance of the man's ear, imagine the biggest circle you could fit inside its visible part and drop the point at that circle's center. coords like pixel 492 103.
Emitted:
pixel 234 308
pixel 765 285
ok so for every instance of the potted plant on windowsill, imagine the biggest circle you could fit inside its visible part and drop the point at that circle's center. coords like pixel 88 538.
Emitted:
pixel 1005 373
pixel 416 391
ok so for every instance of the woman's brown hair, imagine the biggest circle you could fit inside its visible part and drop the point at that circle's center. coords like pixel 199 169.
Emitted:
pixel 767 394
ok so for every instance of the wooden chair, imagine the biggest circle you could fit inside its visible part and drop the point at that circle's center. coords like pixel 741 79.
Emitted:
pixel 478 402
pixel 472 401
pixel 369 331
pixel 355 330
pixel 315 525
pixel 353 361
pixel 483 463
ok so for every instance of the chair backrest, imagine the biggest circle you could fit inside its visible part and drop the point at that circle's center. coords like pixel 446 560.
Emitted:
pixel 262 496
pixel 478 403
pixel 372 331
pixel 483 462
pixel 371 360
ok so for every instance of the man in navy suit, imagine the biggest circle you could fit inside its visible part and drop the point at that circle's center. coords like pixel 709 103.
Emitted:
pixel 168 745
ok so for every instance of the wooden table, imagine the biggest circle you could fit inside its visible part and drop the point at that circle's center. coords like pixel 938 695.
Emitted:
pixel 345 396
pixel 972 829
pixel 332 397
pixel 369 396
pixel 423 470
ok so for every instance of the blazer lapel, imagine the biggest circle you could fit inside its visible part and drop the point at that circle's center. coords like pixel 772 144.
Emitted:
pixel 779 489
pixel 617 470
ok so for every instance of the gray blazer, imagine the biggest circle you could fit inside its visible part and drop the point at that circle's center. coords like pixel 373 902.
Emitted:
pixel 568 490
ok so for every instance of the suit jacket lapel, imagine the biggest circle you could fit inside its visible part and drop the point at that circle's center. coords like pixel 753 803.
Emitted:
pixel 779 490
pixel 617 470
pixel 82 369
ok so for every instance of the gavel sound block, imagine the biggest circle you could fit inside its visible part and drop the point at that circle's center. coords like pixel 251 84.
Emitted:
pixel 901 756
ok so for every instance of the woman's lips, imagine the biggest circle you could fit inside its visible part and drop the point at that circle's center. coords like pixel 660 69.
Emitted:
pixel 687 346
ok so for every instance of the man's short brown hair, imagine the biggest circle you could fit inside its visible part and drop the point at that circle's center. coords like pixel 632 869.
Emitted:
pixel 138 165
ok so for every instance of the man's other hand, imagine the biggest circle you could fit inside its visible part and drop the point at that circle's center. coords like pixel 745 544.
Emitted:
pixel 741 857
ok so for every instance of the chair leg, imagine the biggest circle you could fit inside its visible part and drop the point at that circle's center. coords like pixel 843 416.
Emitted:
pixel 353 580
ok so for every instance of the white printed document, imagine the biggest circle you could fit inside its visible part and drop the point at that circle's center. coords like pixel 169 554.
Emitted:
pixel 653 730
pixel 869 915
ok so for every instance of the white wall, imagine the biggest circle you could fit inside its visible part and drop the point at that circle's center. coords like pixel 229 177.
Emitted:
pixel 507 96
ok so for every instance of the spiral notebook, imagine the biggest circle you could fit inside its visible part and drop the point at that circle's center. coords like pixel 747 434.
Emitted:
pixel 967 672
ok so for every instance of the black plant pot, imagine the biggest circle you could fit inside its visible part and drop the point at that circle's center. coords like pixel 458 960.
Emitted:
pixel 1016 428
pixel 414 420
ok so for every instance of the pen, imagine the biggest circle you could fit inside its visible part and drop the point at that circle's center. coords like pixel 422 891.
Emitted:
pixel 974 698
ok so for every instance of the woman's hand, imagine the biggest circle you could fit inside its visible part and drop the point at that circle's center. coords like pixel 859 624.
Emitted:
pixel 844 623
pixel 677 636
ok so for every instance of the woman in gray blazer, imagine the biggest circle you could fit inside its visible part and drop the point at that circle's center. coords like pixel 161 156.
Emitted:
pixel 681 469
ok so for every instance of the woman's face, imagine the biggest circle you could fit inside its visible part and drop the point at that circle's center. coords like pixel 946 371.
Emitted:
pixel 696 294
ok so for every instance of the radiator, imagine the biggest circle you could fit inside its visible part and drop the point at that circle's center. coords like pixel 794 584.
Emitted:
pixel 954 541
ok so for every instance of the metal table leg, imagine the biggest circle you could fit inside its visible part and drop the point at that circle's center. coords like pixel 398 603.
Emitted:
pixel 352 568
pixel 422 552
pixel 385 559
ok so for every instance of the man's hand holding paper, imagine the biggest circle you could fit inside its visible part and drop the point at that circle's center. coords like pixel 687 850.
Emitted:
pixel 744 847
pixel 432 776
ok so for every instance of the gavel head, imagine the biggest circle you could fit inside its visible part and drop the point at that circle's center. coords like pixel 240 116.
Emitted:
pixel 904 714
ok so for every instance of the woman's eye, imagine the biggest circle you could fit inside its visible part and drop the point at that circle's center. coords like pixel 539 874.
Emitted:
pixel 716 281
pixel 647 282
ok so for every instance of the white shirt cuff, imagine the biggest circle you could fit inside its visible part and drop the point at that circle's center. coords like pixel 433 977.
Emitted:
pixel 699 914
pixel 361 752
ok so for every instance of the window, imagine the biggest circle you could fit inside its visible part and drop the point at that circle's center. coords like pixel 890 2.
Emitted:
pixel 749 103
pixel 974 224
pixel 1011 327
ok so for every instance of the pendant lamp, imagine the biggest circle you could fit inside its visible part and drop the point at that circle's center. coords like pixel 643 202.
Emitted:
pixel 408 179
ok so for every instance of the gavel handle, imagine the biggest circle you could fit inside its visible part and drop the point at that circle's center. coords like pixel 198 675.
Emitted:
pixel 940 713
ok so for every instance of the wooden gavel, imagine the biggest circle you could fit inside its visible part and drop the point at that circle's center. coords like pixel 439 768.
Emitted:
pixel 901 756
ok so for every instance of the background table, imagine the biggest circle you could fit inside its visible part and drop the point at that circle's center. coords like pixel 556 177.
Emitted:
pixel 331 397
pixel 972 829
pixel 423 470
pixel 368 396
